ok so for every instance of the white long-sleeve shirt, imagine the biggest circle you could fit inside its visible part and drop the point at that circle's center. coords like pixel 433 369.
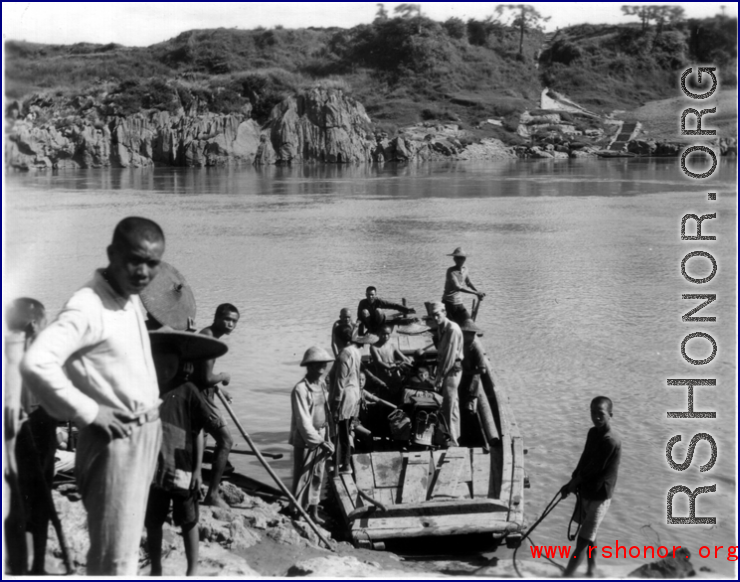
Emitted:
pixel 449 347
pixel 96 352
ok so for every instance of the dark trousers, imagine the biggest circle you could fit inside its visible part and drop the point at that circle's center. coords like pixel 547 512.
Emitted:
pixel 456 312
pixel 344 443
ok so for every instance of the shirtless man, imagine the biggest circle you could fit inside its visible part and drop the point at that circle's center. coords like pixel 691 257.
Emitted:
pixel 224 322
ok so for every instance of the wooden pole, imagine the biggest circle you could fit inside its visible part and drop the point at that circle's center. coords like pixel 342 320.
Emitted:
pixel 272 473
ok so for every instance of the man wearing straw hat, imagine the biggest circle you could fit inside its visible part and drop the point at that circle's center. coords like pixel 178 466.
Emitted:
pixel 93 365
pixel 308 431
pixel 184 415
pixel 457 281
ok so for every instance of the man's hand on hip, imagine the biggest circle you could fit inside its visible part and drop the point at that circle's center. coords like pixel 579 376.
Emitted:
pixel 114 423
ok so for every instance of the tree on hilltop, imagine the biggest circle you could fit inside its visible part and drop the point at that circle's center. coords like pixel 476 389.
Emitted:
pixel 661 15
pixel 408 10
pixel 382 14
pixel 525 17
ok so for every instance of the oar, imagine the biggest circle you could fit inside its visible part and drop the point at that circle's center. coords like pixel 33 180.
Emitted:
pixel 476 306
pixel 275 456
pixel 272 473
pixel 318 457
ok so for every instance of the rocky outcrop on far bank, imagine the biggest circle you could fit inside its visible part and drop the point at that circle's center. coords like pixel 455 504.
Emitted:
pixel 318 125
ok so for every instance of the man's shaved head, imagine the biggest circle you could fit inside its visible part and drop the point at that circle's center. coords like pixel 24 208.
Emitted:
pixel 136 228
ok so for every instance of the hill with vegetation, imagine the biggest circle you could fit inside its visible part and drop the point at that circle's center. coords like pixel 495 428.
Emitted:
pixel 404 70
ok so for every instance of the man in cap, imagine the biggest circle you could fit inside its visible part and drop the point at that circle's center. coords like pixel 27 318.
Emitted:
pixel 184 415
pixel 308 431
pixel 369 312
pixel 93 365
pixel 449 340
pixel 345 395
pixel 473 364
pixel 457 281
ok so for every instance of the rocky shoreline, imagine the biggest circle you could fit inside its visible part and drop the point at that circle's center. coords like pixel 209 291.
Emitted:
pixel 252 538
pixel 257 538
pixel 318 125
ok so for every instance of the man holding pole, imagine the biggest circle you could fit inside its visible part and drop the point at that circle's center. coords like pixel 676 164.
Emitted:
pixel 308 431
pixel 449 340
pixel 93 365
pixel 224 322
pixel 457 281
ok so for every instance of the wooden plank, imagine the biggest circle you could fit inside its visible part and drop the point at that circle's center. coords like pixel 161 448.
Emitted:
pixel 417 526
pixel 516 512
pixel 386 495
pixel 415 478
pixel 387 468
pixel 507 467
pixel 351 488
pixel 481 472
pixel 364 473
pixel 451 466
pixel 345 502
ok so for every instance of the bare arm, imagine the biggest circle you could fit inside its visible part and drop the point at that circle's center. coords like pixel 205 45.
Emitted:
pixel 211 379
pixel 197 479
pixel 399 357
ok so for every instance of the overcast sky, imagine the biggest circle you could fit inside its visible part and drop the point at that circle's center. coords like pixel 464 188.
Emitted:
pixel 145 23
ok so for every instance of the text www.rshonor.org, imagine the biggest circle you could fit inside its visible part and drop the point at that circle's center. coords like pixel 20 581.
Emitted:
pixel 620 551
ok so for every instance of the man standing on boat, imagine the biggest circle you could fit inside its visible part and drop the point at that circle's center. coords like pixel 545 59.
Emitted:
pixel 93 365
pixel 369 312
pixel 457 281
pixel 345 395
pixel 449 340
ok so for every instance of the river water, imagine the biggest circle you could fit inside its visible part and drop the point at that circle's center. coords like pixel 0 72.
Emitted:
pixel 580 260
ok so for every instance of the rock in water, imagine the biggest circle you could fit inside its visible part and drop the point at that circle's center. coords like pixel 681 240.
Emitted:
pixel 319 125
pixel 670 567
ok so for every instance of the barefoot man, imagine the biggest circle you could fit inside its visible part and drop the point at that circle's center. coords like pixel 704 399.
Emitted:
pixel 224 322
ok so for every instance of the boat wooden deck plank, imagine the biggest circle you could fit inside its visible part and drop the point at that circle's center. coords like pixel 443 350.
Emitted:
pixel 386 495
pixel 364 473
pixel 386 468
pixel 415 478
pixel 452 466
pixel 481 467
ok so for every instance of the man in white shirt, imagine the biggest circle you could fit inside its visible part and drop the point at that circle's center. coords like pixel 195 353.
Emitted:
pixel 93 365
pixel 449 342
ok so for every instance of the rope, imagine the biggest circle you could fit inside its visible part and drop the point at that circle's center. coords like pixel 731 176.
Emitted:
pixel 550 506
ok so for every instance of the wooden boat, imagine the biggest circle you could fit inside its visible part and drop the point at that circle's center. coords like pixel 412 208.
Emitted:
pixel 400 489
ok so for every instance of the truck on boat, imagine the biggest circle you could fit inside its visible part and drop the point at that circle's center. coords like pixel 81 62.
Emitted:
pixel 408 484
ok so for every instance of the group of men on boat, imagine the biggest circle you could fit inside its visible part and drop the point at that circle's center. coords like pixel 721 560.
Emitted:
pixel 320 411
pixel 142 394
